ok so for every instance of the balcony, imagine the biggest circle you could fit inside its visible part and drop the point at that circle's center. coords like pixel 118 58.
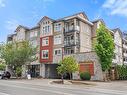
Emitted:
pixel 124 46
pixel 71 29
pixel 125 54
pixel 125 62
pixel 69 43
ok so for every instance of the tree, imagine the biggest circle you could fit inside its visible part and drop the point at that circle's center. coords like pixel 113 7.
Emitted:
pixel 104 48
pixel 61 70
pixel 2 67
pixel 67 65
pixel 17 54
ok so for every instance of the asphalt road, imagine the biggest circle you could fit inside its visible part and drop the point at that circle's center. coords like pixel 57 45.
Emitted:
pixel 9 87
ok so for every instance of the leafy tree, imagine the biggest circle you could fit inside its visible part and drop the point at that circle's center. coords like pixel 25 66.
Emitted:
pixel 18 71
pixel 18 54
pixel 2 67
pixel 61 70
pixel 67 65
pixel 104 48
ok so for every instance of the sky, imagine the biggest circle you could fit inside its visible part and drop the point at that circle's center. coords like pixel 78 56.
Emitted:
pixel 29 12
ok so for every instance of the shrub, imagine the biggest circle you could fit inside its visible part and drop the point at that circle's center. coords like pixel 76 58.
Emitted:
pixel 2 67
pixel 19 71
pixel 85 76
pixel 122 72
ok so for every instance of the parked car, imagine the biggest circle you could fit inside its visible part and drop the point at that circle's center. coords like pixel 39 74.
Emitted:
pixel 5 75
pixel 1 74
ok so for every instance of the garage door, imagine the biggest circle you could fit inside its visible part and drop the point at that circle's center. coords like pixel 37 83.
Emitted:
pixel 87 67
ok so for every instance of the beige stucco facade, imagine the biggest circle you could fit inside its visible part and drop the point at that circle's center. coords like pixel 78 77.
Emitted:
pixel 71 35
pixel 118 57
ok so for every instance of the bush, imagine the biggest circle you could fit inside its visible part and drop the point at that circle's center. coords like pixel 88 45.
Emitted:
pixel 85 76
pixel 2 67
pixel 122 72
pixel 19 71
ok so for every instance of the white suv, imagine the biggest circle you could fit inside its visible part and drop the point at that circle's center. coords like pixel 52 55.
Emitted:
pixel 1 74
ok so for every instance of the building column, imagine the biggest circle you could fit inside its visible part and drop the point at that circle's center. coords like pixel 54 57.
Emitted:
pixel 75 35
pixel 75 24
pixel 42 70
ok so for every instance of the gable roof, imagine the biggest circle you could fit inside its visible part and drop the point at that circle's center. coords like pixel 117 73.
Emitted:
pixel 119 31
pixel 80 13
pixel 20 26
pixel 45 17
pixel 97 20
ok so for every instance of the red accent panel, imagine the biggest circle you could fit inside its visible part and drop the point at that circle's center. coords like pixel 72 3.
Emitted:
pixel 49 47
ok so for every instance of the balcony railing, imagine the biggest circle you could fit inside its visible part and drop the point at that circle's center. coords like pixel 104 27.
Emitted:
pixel 124 46
pixel 125 62
pixel 68 43
pixel 72 28
pixel 125 54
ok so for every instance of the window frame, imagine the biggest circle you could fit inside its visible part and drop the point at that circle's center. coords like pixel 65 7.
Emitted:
pixel 44 41
pixel 57 27
pixel 57 39
pixel 44 57
pixel 57 52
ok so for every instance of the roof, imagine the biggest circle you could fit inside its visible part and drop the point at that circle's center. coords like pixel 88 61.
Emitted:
pixel 117 29
pixel 11 35
pixel 45 17
pixel 21 26
pixel 97 20
pixel 35 27
pixel 83 13
pixel 66 18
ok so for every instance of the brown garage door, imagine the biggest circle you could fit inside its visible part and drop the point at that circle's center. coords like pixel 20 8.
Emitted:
pixel 87 67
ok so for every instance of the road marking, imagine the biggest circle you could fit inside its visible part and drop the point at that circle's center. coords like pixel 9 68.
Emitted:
pixel 4 93
pixel 57 92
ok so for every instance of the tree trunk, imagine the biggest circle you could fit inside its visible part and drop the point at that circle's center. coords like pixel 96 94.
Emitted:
pixel 62 79
pixel 70 76
pixel 105 75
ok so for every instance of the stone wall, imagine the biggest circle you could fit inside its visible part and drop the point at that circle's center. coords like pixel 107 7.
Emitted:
pixel 90 56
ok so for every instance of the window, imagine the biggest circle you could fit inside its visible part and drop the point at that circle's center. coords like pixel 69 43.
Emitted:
pixel 45 41
pixel 33 43
pixel 33 34
pixel 46 29
pixel 57 51
pixel 57 27
pixel 57 39
pixel 45 54
pixel 69 51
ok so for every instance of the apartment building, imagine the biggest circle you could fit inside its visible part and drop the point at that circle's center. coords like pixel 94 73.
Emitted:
pixel 69 36
pixel 118 56
pixel 124 41
pixel 32 35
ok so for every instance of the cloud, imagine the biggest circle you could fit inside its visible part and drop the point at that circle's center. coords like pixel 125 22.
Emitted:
pixel 116 7
pixel 11 25
pixel 2 3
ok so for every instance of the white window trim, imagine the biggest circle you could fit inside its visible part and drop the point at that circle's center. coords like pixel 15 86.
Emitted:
pixel 57 40
pixel 58 50
pixel 57 27
pixel 43 56
pixel 44 44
